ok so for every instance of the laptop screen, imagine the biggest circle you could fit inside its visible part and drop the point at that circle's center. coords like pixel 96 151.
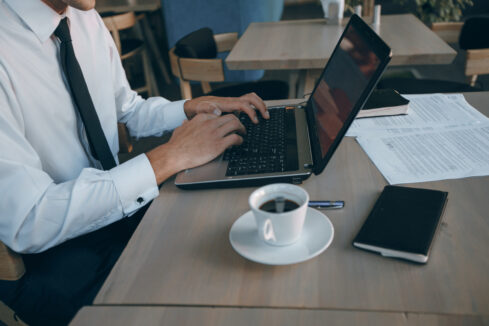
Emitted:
pixel 352 70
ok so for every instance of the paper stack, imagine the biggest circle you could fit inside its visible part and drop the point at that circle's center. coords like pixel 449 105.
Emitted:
pixel 442 137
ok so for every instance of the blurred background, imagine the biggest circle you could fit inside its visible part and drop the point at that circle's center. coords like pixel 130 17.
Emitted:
pixel 177 18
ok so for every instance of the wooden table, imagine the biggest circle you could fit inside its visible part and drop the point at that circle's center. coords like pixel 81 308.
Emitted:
pixel 141 6
pixel 119 6
pixel 138 315
pixel 180 254
pixel 306 45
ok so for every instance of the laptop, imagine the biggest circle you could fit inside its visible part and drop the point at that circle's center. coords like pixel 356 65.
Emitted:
pixel 298 141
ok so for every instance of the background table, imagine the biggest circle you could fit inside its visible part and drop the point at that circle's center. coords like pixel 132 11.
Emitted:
pixel 137 315
pixel 307 45
pixel 119 6
pixel 180 254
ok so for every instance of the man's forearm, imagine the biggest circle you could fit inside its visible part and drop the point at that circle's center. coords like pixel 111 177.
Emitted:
pixel 163 161
pixel 153 117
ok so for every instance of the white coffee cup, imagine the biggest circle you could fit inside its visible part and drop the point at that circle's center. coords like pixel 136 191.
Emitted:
pixel 279 229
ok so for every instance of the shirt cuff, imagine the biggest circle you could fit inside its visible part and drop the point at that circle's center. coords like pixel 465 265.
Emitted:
pixel 135 183
pixel 174 114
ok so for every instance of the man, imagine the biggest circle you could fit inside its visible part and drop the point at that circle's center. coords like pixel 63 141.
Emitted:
pixel 66 203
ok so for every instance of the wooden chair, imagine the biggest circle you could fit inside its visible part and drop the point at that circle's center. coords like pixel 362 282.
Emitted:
pixel 477 59
pixel 472 38
pixel 131 47
pixel 210 69
pixel 127 49
pixel 11 264
pixel 202 70
pixel 11 269
pixel 125 145
pixel 476 63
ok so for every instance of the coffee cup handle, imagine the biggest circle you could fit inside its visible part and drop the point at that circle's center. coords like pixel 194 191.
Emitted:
pixel 268 233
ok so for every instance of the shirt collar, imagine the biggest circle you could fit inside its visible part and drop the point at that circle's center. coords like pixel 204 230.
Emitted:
pixel 38 16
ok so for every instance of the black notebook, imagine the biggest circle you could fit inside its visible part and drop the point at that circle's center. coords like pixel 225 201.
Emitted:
pixel 402 223
pixel 383 102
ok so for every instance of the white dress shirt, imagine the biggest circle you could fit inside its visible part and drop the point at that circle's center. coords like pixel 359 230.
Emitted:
pixel 49 189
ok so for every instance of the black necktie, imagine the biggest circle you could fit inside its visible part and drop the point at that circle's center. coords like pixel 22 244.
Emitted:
pixel 79 90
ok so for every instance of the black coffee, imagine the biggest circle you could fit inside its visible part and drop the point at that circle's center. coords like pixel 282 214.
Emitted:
pixel 284 205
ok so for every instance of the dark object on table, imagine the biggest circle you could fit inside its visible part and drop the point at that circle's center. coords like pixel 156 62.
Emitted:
pixel 384 102
pixel 402 223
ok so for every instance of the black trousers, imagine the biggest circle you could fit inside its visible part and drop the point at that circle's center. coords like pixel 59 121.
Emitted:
pixel 59 281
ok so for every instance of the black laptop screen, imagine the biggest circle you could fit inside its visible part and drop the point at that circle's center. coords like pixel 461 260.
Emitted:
pixel 350 70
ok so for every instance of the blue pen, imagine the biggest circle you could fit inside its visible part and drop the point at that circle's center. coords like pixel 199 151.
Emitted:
pixel 327 204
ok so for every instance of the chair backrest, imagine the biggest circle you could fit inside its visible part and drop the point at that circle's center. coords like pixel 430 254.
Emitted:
pixel 194 59
pixel 125 145
pixel 119 22
pixel 114 24
pixel 11 264
pixel 222 16
pixel 199 44
pixel 476 63
pixel 473 38
pixel 474 33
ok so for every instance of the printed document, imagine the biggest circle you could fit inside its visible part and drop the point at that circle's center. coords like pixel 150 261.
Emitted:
pixel 430 155
pixel 442 137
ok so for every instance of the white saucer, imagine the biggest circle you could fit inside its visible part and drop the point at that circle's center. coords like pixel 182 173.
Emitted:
pixel 316 236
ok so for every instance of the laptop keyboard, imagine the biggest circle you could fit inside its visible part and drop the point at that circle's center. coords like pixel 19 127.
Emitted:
pixel 269 146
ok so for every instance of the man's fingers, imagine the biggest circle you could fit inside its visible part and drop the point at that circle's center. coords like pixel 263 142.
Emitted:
pixel 224 119
pixel 204 116
pixel 246 103
pixel 258 103
pixel 209 107
pixel 249 110
pixel 241 104
pixel 231 140
pixel 233 125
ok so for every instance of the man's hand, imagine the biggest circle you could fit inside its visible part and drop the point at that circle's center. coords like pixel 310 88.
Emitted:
pixel 194 143
pixel 216 105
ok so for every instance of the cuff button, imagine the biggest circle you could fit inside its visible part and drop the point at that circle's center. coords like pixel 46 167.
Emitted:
pixel 140 200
